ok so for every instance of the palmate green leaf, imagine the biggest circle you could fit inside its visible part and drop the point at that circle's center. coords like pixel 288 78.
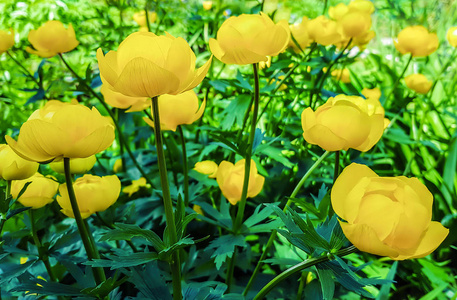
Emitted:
pixel 104 288
pixel 166 253
pixel 11 271
pixel 313 238
pixel 225 143
pixel 224 246
pixel 115 262
pixel 220 218
pixel 127 231
pixel 148 280
pixel 327 283
pixel 275 154
pixel 47 288
pixel 235 111
pixel 242 83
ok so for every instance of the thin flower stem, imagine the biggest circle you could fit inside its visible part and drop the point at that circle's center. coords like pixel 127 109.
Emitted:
pixel 184 166
pixel 298 267
pixel 116 124
pixel 175 264
pixel 41 253
pixel 398 80
pixel 3 215
pixel 301 286
pixel 91 249
pixel 146 12
pixel 274 233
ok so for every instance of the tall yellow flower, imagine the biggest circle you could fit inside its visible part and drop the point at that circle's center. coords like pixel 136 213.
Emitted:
pixel 451 36
pixel 14 167
pixel 418 83
pixel 6 40
pixel 324 31
pixel 417 41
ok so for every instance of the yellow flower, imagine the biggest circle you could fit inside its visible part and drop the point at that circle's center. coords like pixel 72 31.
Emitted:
pixel 344 122
pixel 52 38
pixel 6 40
pixel 147 65
pixel 14 167
pixel 207 5
pixel 342 75
pixel 324 31
pixel 418 83
pixel 117 167
pixel 63 130
pixel 93 194
pixel 119 100
pixel 365 6
pixel 140 18
pixel 338 11
pixel 135 186
pixel 265 64
pixel 374 93
pixel 207 167
pixel 417 41
pixel 248 39
pixel 77 165
pixel 387 216
pixel 230 179
pixel 300 34
pixel 177 110
pixel 355 23
pixel 40 192
pixel 451 36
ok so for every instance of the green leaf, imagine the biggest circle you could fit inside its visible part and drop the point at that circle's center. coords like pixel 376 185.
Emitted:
pixel 224 246
pixel 385 288
pixel 276 154
pixel 116 262
pixel 11 271
pixel 243 83
pixel 166 253
pixel 47 288
pixel 16 211
pixel 449 171
pixel 149 282
pixel 104 288
pixel 127 231
pixel 327 283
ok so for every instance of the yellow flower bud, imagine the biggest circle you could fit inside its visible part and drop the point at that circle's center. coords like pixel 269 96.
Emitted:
pixel 147 65
pixel 52 38
pixel 77 165
pixel 140 18
pixel 374 93
pixel 40 192
pixel 418 83
pixel 207 167
pixel 451 36
pixel 365 6
pixel 300 34
pixel 93 194
pixel 6 40
pixel 248 39
pixel 117 167
pixel 341 75
pixel 387 216
pixel 417 41
pixel 230 179
pixel 14 167
pixel 177 110
pixel 324 31
pixel 119 100
pixel 344 122
pixel 338 11
pixel 207 5
pixel 135 186
pixel 62 129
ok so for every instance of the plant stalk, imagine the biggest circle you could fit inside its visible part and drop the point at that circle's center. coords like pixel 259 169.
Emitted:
pixel 398 80
pixel 185 167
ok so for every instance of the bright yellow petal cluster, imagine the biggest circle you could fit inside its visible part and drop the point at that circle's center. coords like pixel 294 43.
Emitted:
pixel 119 100
pixel 14 167
pixel 6 40
pixel 62 129
pixel 135 186
pixel 230 179
pixel 248 39
pixel 52 38
pixel 300 34
pixel 418 83
pixel 417 41
pixel 451 36
pixel 324 31
pixel 207 5
pixel 344 122
pixel 147 65
pixel 40 192
pixel 207 167
pixel 77 165
pixel 177 110
pixel 93 194
pixel 387 216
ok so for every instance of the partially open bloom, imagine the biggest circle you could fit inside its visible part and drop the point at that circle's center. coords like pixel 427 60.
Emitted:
pixel 175 110
pixel 77 165
pixel 451 36
pixel 324 31
pixel 417 41
pixel 14 167
pixel 40 192
pixel 207 5
pixel 342 75
pixel 52 38
pixel 122 101
pixel 248 39
pixel 135 186
pixel 387 216
pixel 93 194
pixel 6 40
pixel 230 179
pixel 344 122
pixel 355 23
pixel 300 34
pixel 62 129
pixel 418 83
pixel 147 65
pixel 140 18
pixel 207 167
pixel 362 5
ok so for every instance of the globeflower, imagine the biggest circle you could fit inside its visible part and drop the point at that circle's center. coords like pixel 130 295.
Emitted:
pixel 324 31
pixel 14 167
pixel 147 65
pixel 61 130
pixel 39 192
pixel 418 83
pixel 344 122
pixel 93 194
pixel 51 39
pixel 417 41
pixel 249 39
pixel 300 34
pixel 122 101
pixel 387 216
pixel 451 36
pixel 6 40
pixel 207 167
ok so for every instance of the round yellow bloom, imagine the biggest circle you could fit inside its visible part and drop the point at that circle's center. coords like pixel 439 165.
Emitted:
pixel 230 179
pixel 52 38
pixel 300 34
pixel 365 6
pixel 355 23
pixel 342 75
pixel 344 122
pixel 40 192
pixel 14 167
pixel 207 5
pixel 177 110
pixel 418 83
pixel 77 165
pixel 417 41
pixel 140 18
pixel 451 36
pixel 207 167
pixel 248 39
pixel 62 129
pixel 119 100
pixel 147 65
pixel 324 31
pixel 6 40
pixel 338 11
pixel 117 167
pixel 374 93
pixel 93 194
pixel 387 216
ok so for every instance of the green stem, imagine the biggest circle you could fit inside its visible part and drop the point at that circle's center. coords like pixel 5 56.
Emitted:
pixel 230 270
pixel 146 11
pixel 398 80
pixel 175 264
pixel 91 249
pixel 302 284
pixel 274 233
pixel 298 267
pixel 3 214
pixel 185 166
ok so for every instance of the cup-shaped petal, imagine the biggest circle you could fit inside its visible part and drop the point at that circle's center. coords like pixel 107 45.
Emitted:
pixel 14 167
pixel 417 41
pixel 52 38
pixel 6 40
pixel 418 83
